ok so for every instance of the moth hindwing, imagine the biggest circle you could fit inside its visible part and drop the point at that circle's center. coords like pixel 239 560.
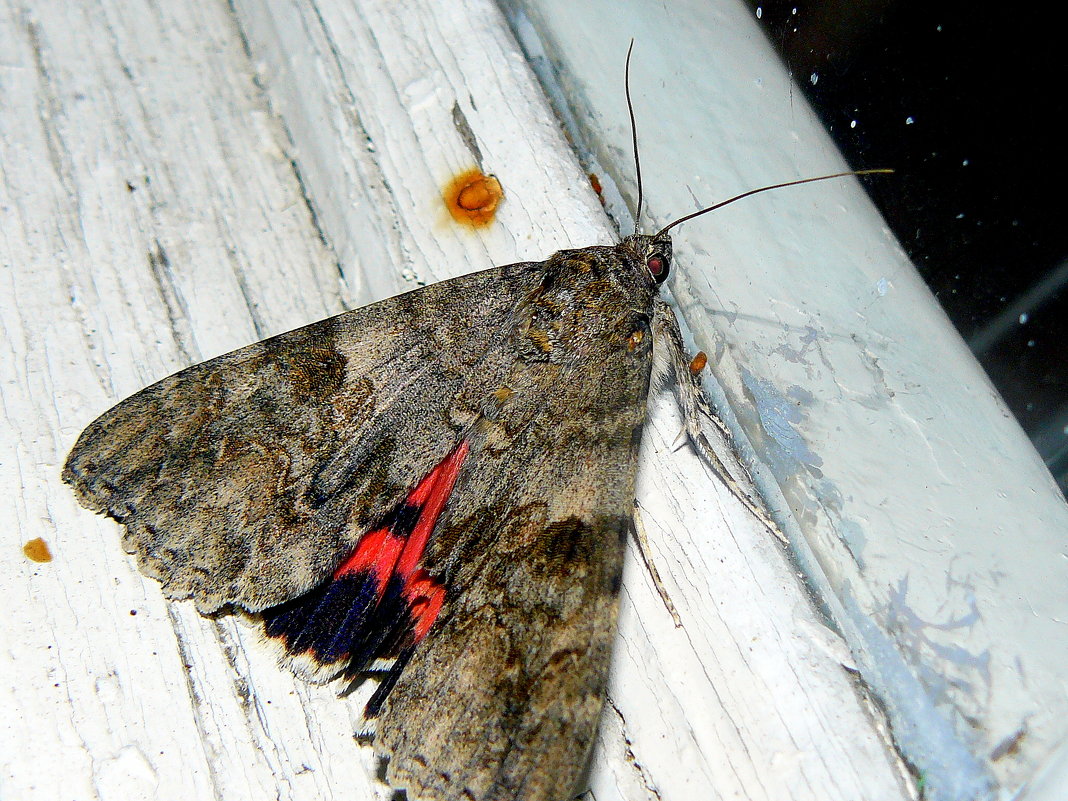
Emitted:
pixel 443 480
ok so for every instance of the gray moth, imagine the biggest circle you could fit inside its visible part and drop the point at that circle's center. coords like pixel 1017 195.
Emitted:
pixel 444 479
pixel 436 487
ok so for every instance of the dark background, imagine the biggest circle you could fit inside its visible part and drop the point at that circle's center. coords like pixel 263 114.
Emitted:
pixel 963 103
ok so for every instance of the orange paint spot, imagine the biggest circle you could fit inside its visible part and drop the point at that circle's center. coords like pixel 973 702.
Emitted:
pixel 595 182
pixel 472 198
pixel 36 550
pixel 698 363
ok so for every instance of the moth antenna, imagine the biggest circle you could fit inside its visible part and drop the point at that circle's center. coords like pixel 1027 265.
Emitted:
pixel 669 226
pixel 633 138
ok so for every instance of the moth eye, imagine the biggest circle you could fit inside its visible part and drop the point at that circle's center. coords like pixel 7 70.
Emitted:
pixel 657 267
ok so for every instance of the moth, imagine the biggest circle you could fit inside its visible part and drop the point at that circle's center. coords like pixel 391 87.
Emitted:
pixel 437 487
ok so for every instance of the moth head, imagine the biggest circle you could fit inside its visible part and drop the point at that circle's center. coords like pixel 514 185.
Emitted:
pixel 653 253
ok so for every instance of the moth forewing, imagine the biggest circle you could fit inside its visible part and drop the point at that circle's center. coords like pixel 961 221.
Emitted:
pixel 444 479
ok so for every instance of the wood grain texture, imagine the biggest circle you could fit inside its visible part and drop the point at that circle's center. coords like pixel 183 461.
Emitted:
pixel 153 218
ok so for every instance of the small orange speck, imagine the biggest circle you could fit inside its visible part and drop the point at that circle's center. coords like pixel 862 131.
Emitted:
pixel 698 363
pixel 36 550
pixel 634 340
pixel 472 198
pixel 595 182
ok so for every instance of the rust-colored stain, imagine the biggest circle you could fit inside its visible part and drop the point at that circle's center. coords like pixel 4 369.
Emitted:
pixel 698 363
pixel 36 550
pixel 472 198
pixel 595 182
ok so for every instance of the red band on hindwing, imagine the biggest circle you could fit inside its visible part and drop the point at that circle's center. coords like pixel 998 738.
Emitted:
pixel 425 596
pixel 379 602
pixel 376 553
pixel 430 496
pixel 396 548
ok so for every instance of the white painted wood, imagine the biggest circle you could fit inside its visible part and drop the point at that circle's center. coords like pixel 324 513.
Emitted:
pixel 152 218
pixel 132 130
pixel 919 511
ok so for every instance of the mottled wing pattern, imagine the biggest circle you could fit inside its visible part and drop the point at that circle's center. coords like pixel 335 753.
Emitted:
pixel 246 479
pixel 503 699
pixel 444 479
pixel 501 621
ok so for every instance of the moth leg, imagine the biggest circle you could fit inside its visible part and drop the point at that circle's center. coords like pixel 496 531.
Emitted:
pixel 642 541
pixel 670 360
